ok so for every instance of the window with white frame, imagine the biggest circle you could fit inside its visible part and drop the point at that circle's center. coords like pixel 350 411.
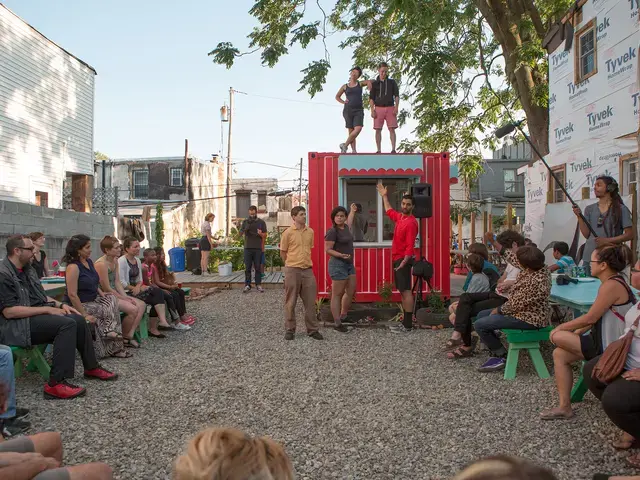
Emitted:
pixel 586 63
pixel 175 176
pixel 629 175
pixel 371 224
pixel 513 183
pixel 141 184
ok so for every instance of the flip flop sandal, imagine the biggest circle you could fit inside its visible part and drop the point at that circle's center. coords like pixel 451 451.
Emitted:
pixel 122 354
pixel 626 445
pixel 112 338
pixel 459 353
pixel 555 415
pixel 452 344
pixel 131 343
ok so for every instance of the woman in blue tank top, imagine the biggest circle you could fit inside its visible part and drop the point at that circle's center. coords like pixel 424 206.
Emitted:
pixel 353 111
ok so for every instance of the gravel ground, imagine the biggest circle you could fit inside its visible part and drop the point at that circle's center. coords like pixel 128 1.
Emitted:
pixel 365 405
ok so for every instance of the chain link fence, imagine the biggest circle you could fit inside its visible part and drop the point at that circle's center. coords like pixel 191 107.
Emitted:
pixel 104 201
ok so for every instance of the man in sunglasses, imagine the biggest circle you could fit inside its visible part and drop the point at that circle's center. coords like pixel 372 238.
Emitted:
pixel 28 317
pixel 609 217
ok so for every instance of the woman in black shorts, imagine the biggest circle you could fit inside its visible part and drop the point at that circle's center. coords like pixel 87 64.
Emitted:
pixel 206 242
pixel 338 243
pixel 588 335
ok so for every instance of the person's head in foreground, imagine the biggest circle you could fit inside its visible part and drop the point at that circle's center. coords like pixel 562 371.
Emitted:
pixel 530 258
pixel 475 262
pixel 560 249
pixel 504 468
pixel 510 239
pixel 479 249
pixel 609 259
pixel 229 454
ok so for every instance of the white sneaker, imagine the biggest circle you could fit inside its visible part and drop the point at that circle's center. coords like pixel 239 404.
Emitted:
pixel 343 148
pixel 181 326
pixel 400 328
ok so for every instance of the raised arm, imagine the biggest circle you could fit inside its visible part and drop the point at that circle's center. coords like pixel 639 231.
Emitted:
pixel 352 216
pixel 584 229
pixel 382 190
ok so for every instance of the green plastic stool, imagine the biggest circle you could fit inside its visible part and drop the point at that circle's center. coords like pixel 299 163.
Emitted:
pixel 36 360
pixel 142 332
pixel 528 340
pixel 580 388
pixel 187 291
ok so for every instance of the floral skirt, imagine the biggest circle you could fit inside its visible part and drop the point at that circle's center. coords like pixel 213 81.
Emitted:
pixel 107 314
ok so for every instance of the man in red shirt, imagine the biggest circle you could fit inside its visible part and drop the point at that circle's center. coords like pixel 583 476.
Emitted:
pixel 402 251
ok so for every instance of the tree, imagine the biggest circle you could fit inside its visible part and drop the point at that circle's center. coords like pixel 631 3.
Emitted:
pixel 159 225
pixel 100 157
pixel 447 54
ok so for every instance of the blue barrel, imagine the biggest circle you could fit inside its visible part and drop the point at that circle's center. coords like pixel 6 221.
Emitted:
pixel 177 259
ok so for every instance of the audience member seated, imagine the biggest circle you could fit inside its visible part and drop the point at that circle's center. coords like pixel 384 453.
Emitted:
pixel 39 456
pixel 478 281
pixel 28 317
pixel 12 421
pixel 164 279
pixel 564 262
pixel 83 292
pixel 470 304
pixel 621 397
pixel 39 260
pixel 226 453
pixel 588 335
pixel 149 273
pixel 527 307
pixel 109 272
pixel 130 269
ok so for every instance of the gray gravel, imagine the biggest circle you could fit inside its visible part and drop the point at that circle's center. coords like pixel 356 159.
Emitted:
pixel 365 405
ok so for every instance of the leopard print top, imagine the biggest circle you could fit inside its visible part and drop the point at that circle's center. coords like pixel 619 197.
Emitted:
pixel 529 297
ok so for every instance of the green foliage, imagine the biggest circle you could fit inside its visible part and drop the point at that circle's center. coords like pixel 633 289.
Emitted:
pixel 385 290
pixel 435 303
pixel 159 226
pixel 462 66
pixel 464 210
pixel 99 156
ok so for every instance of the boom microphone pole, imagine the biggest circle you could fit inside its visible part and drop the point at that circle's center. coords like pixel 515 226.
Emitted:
pixel 510 127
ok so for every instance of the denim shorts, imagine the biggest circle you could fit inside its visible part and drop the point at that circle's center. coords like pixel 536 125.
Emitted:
pixel 339 269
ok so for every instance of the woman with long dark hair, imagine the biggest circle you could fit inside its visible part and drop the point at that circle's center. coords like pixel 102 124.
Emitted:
pixel 588 335
pixel 609 218
pixel 84 293
pixel 131 278
pixel 338 243
pixel 164 279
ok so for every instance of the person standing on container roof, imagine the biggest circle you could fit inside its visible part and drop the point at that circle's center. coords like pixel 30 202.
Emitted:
pixel 384 102
pixel 353 111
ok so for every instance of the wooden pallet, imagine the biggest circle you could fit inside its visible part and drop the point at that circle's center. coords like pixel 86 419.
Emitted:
pixel 236 279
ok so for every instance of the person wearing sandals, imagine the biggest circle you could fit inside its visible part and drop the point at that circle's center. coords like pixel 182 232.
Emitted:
pixel 462 344
pixel 130 269
pixel 162 278
pixel 206 242
pixel 589 335
pixel 108 270
pixel 338 243
pixel 621 397
pixel 84 293
pixel 148 274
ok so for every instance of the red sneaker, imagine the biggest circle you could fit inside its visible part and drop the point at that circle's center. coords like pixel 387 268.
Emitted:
pixel 189 321
pixel 100 373
pixel 63 391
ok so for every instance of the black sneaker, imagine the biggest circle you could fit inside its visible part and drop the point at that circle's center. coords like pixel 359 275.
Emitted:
pixel 316 336
pixel 348 321
pixel 289 335
pixel 342 329
pixel 21 413
pixel 12 428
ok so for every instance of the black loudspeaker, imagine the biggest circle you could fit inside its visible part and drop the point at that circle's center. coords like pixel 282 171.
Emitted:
pixel 421 193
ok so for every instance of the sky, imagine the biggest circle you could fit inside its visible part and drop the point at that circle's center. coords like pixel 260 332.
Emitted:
pixel 156 86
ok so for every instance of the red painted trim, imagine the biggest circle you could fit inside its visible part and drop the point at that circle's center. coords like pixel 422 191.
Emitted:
pixel 354 172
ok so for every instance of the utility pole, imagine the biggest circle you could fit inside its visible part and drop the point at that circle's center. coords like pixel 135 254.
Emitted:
pixel 300 194
pixel 228 194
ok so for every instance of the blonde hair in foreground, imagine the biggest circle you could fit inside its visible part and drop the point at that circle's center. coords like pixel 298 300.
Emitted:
pixel 504 468
pixel 229 454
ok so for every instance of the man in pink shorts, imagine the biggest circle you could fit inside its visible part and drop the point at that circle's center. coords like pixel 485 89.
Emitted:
pixel 384 101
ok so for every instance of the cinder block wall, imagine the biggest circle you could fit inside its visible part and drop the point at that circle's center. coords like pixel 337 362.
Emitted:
pixel 57 225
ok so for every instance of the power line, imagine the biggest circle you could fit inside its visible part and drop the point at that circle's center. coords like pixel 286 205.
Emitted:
pixel 290 100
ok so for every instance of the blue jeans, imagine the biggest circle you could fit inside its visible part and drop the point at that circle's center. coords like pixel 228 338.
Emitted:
pixel 8 379
pixel 486 324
